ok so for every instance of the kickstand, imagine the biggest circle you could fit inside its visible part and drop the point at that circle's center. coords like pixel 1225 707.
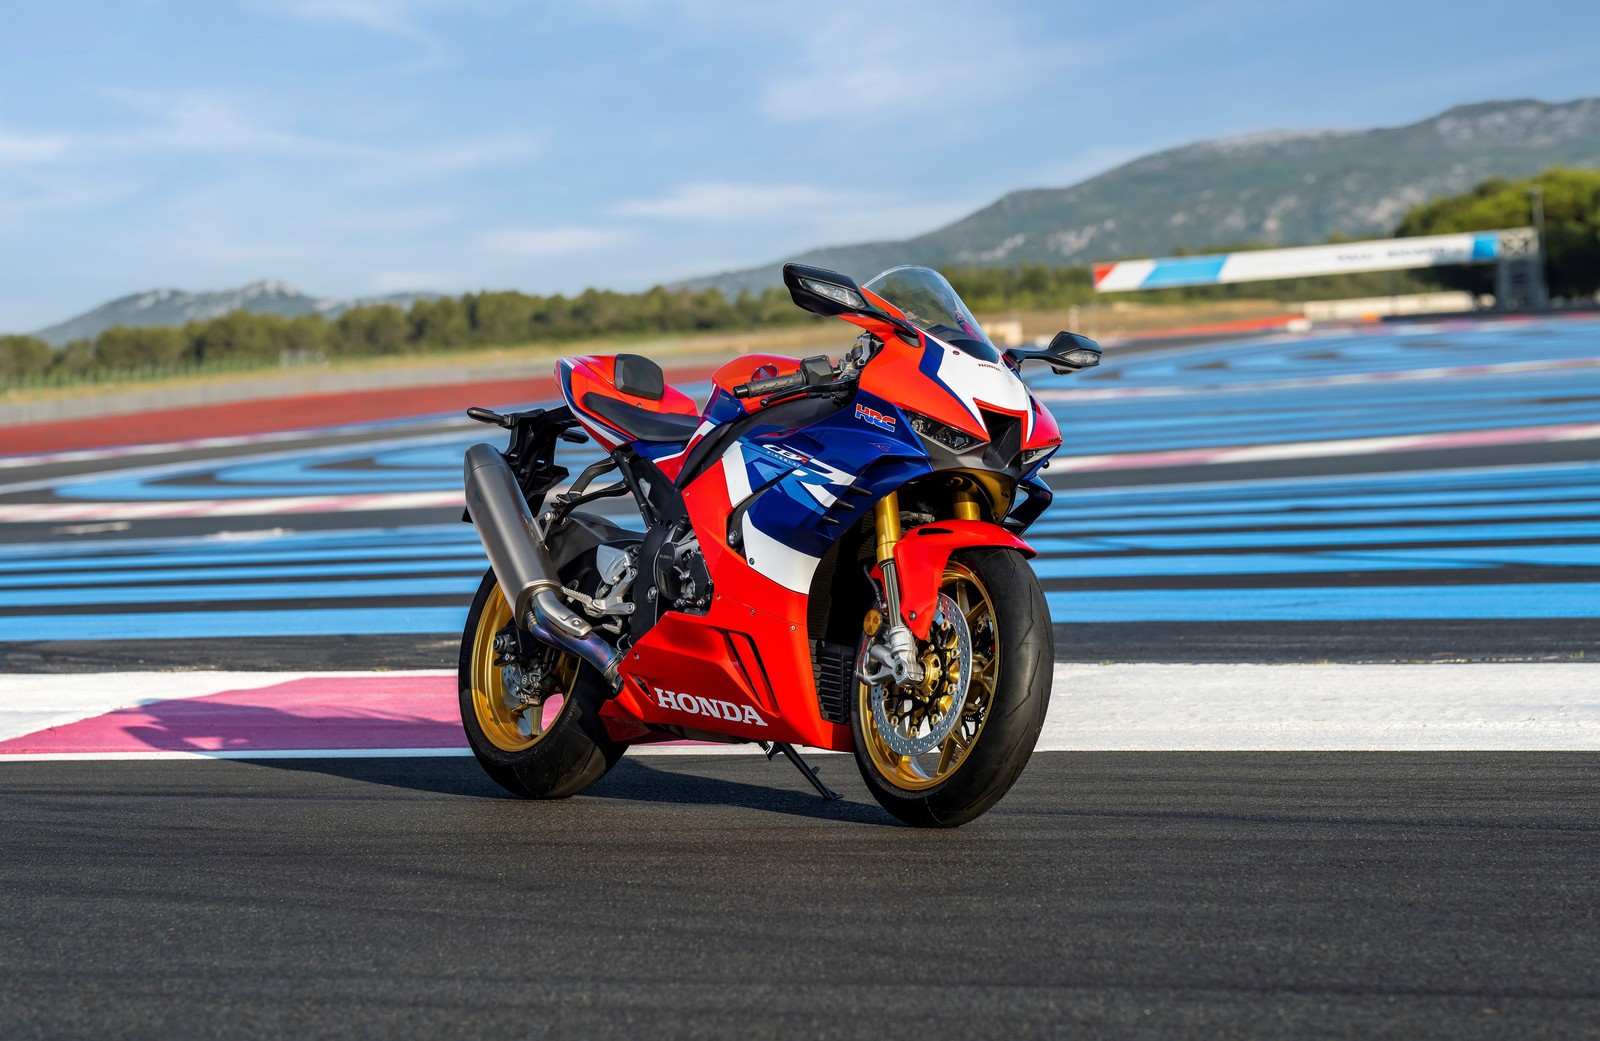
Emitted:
pixel 773 748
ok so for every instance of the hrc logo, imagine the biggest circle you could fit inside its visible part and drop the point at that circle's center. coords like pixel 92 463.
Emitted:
pixel 873 416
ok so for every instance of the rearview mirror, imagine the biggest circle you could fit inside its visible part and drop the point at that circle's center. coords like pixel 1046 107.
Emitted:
pixel 825 292
pixel 1067 353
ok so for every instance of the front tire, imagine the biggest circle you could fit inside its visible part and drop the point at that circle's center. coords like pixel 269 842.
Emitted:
pixel 1008 694
pixel 548 751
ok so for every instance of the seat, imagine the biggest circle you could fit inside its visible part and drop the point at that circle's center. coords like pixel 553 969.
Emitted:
pixel 642 423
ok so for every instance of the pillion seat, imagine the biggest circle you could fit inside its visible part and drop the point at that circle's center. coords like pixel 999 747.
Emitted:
pixel 625 397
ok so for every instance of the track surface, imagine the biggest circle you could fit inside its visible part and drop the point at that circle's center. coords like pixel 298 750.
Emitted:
pixel 1201 895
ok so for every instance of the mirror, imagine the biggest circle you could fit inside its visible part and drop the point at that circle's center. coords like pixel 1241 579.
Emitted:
pixel 825 292
pixel 1067 353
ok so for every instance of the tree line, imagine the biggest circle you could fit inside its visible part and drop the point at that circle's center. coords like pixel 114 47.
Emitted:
pixel 1571 200
pixel 487 319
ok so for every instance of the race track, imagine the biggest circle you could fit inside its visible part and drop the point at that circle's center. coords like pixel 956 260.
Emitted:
pixel 1414 493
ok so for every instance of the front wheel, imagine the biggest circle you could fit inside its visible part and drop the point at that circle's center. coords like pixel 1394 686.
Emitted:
pixel 531 712
pixel 935 754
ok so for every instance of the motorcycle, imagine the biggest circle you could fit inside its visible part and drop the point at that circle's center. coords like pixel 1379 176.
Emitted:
pixel 831 556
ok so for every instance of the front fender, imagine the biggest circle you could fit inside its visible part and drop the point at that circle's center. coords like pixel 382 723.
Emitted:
pixel 920 557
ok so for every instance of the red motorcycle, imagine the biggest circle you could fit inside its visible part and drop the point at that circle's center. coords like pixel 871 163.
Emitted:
pixel 830 556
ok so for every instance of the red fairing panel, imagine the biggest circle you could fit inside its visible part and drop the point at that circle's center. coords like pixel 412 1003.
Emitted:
pixel 703 671
pixel 920 557
pixel 1045 431
pixel 596 374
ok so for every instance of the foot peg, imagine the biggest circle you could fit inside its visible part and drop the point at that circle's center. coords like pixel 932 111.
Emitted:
pixel 775 748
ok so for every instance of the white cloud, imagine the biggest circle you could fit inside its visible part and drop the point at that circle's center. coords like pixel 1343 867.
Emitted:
pixel 919 58
pixel 855 64
pixel 396 18
pixel 730 203
pixel 210 122
pixel 392 221
pixel 805 211
pixel 549 242
pixel 30 148
pixel 437 281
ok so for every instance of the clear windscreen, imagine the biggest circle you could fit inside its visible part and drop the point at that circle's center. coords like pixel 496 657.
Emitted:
pixel 930 303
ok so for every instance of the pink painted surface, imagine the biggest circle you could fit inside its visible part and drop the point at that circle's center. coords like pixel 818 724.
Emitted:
pixel 319 712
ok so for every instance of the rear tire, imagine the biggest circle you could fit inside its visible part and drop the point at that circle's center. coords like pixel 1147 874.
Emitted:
pixel 1012 663
pixel 560 756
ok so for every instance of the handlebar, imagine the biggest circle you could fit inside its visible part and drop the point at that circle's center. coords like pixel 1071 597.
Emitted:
pixel 770 385
pixel 812 371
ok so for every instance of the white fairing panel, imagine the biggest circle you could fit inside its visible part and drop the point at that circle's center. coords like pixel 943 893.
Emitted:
pixel 788 567
pixel 974 381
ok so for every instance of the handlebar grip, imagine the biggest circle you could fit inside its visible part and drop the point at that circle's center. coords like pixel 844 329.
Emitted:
pixel 770 385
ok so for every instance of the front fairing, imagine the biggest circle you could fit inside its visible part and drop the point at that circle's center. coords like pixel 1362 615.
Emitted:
pixel 947 384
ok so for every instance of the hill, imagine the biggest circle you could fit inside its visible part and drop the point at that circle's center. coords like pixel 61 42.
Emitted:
pixel 175 307
pixel 1284 187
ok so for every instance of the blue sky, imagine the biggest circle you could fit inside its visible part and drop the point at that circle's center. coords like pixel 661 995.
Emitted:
pixel 367 146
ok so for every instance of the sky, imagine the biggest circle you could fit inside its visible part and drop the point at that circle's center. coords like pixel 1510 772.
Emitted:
pixel 357 147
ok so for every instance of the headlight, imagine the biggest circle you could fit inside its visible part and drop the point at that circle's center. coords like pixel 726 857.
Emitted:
pixel 838 294
pixel 1034 455
pixel 948 436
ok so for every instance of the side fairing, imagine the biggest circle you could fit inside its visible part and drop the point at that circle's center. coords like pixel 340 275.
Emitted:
pixel 794 493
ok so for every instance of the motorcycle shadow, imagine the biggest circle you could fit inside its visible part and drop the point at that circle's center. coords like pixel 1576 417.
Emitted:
pixel 695 782
pixel 635 780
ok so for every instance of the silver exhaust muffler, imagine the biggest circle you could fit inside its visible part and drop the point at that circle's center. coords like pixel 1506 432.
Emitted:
pixel 522 564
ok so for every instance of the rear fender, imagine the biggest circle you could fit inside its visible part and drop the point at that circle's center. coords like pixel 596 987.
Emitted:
pixel 920 557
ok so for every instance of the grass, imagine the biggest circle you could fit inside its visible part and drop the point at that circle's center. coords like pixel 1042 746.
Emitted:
pixel 1106 320
pixel 491 362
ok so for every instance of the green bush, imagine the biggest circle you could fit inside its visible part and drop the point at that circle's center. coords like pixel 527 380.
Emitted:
pixel 23 357
pixel 1572 225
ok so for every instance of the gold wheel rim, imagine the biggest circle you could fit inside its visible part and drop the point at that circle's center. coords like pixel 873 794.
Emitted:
pixel 510 725
pixel 917 773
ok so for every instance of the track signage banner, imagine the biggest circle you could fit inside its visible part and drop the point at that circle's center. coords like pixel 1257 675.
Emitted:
pixel 1375 255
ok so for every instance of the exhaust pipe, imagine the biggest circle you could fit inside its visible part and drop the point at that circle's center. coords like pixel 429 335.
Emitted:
pixel 522 563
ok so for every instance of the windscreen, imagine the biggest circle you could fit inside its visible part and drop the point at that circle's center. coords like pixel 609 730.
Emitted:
pixel 931 304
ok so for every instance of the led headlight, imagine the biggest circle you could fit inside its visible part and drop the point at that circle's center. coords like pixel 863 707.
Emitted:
pixel 838 294
pixel 948 436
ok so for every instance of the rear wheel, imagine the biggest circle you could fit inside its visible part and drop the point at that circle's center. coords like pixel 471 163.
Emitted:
pixel 940 752
pixel 531 712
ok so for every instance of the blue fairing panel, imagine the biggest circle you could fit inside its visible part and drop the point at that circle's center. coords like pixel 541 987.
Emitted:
pixel 805 504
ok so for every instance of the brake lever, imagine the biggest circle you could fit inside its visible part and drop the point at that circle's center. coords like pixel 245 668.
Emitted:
pixel 815 390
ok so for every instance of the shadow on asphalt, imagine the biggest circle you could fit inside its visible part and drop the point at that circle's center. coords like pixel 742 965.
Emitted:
pixel 631 780
pixel 640 781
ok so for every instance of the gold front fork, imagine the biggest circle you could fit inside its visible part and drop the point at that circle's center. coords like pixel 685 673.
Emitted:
pixel 966 506
pixel 887 517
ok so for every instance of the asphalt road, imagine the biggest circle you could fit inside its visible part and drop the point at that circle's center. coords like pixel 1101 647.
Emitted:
pixel 1133 894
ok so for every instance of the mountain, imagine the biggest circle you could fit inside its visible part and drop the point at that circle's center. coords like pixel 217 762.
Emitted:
pixel 175 307
pixel 1286 187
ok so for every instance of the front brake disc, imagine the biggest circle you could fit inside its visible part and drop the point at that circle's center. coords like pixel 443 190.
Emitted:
pixel 911 732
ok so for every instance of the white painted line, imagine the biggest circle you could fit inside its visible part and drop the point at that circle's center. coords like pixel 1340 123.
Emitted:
pixel 56 512
pixel 313 753
pixel 1094 393
pixel 1443 707
pixel 1137 707
pixel 1318 449
pixel 31 703
pixel 80 455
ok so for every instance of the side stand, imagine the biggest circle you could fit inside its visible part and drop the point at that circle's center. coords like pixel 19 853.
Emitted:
pixel 773 748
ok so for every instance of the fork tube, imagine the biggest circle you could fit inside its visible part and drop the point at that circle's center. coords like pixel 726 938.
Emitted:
pixel 887 517
pixel 902 645
pixel 966 506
